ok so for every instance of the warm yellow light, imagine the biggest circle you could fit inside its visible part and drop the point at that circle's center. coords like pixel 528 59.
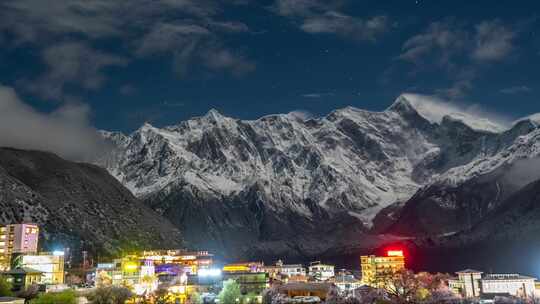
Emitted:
pixel 130 266
pixel 235 268
pixel 188 257
pixel 394 253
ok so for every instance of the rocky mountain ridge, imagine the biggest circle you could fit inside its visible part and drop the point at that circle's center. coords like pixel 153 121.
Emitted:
pixel 78 206
pixel 283 185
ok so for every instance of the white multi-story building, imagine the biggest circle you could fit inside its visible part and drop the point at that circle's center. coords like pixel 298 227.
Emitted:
pixel 321 271
pixel 473 284
pixel 512 284
pixel 289 270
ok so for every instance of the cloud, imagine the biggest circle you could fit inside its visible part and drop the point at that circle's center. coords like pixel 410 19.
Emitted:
pixel 229 26
pixel 304 7
pixel 326 17
pixel 301 114
pixel 68 33
pixel 173 104
pixel 166 37
pixel 317 95
pixel 66 131
pixel 73 63
pixel 127 90
pixel 442 38
pixel 449 41
pixel 36 20
pixel 191 44
pixel 224 59
pixel 493 41
pixel 460 51
pixel 337 23
pixel 435 109
pixel 462 83
pixel 516 90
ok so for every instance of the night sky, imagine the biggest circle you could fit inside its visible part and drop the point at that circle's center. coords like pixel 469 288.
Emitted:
pixel 117 64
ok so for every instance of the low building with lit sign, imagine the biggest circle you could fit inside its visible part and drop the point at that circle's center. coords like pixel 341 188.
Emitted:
pixel 51 264
pixel 23 277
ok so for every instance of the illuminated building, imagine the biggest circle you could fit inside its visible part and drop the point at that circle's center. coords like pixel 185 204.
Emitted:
pixel 244 267
pixel 292 290
pixel 17 238
pixel 162 266
pixel 108 274
pixel 190 261
pixel 250 276
pixel 377 269
pixel 288 270
pixel 51 264
pixel 346 282
pixel 321 271
pixel 250 282
pixel 473 284
pixel 511 284
pixel 23 277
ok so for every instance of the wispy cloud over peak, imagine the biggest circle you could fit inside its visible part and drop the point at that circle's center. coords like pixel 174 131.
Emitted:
pixel 493 41
pixel 516 90
pixel 73 63
pixel 327 17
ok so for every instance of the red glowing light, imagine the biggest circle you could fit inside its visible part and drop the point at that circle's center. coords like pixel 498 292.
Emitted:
pixel 394 253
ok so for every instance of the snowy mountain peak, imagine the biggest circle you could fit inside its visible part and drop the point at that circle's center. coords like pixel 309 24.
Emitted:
pixel 436 111
pixel 146 127
pixel 213 115
pixel 287 173
pixel 402 104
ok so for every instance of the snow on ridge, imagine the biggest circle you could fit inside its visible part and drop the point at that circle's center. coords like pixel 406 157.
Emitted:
pixel 524 147
pixel 367 160
pixel 534 118
pixel 435 110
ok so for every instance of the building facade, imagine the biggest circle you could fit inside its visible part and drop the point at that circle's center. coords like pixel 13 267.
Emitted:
pixel 281 270
pixel 473 284
pixel 17 238
pixel 512 284
pixel 377 269
pixel 24 277
pixel 321 271
pixel 50 264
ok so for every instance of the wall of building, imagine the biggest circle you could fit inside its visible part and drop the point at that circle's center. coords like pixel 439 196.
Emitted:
pixel 512 287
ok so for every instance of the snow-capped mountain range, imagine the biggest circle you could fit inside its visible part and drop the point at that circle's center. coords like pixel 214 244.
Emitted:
pixel 277 183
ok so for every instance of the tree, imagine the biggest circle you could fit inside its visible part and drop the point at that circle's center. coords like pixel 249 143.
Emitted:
pixel 64 297
pixel 31 292
pixel 250 298
pixel 273 296
pixel 110 295
pixel 333 296
pixel 230 294
pixel 5 287
pixel 194 298
pixel 161 296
